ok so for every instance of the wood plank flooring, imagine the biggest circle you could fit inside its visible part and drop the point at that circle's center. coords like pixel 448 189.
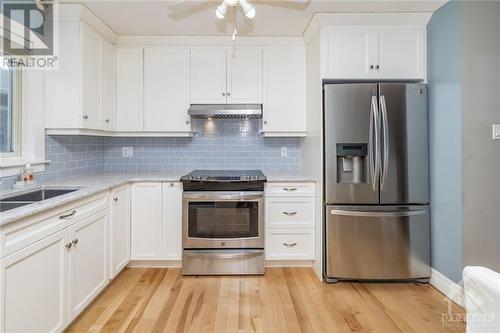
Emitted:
pixel 284 300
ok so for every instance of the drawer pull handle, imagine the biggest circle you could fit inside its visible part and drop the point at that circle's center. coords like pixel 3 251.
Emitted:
pixel 75 241
pixel 290 213
pixel 62 217
pixel 68 246
pixel 290 189
pixel 290 245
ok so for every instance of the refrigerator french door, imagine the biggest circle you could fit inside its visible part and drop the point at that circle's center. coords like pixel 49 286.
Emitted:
pixel 376 181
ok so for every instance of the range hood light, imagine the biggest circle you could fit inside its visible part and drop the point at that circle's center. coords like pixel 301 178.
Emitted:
pixel 225 111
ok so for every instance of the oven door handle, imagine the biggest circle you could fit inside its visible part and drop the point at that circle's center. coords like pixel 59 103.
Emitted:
pixel 214 196
pixel 212 255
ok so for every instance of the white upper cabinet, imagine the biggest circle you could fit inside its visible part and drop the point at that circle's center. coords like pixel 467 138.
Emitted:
pixel 80 93
pixel 92 84
pixel 108 85
pixel 284 104
pixel 349 53
pixel 166 89
pixel 402 53
pixel 373 52
pixel 208 75
pixel 244 76
pixel 129 89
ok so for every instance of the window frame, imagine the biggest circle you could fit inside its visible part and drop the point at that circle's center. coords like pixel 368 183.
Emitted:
pixel 17 103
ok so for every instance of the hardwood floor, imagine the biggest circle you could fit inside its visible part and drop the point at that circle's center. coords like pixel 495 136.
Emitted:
pixel 284 300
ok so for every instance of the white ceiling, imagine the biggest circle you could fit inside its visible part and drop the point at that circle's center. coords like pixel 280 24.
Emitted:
pixel 197 18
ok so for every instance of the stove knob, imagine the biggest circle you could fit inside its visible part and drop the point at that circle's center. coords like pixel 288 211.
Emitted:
pixel 191 177
pixel 256 177
pixel 198 177
pixel 247 177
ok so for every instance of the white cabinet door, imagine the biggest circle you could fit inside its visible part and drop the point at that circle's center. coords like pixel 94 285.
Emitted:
pixel 34 287
pixel 348 53
pixel 208 75
pixel 129 89
pixel 166 86
pixel 146 221
pixel 244 75
pixel 119 235
pixel 108 84
pixel 402 53
pixel 91 95
pixel 88 261
pixel 172 220
pixel 284 108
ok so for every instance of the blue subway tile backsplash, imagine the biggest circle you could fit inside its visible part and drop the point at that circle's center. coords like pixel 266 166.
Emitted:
pixel 218 144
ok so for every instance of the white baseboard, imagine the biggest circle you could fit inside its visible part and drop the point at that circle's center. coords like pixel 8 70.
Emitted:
pixel 450 289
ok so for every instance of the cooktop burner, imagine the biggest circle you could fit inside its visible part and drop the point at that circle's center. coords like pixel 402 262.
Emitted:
pixel 224 180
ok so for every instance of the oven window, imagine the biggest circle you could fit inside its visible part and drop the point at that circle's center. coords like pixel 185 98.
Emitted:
pixel 223 219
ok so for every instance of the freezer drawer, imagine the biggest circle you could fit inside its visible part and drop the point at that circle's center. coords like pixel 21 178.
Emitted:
pixel 377 243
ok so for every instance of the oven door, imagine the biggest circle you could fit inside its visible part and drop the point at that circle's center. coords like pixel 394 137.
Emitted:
pixel 223 220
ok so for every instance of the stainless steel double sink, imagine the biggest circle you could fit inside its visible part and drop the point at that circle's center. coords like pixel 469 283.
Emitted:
pixel 27 198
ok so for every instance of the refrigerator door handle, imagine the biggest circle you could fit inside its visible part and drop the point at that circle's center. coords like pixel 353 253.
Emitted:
pixel 377 214
pixel 374 146
pixel 385 125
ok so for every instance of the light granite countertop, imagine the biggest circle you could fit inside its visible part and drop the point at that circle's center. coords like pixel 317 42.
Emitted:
pixel 90 185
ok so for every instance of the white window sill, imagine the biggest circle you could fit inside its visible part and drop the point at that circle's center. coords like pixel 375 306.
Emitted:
pixel 10 166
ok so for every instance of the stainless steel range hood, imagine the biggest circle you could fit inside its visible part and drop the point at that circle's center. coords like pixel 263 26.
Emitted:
pixel 225 111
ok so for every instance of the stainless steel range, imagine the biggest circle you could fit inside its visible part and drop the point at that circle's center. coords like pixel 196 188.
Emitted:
pixel 223 222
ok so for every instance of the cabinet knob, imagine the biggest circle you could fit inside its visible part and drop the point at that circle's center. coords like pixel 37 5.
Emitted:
pixel 377 66
pixel 223 94
pixel 107 121
pixel 265 122
pixel 85 117
pixel 187 122
pixel 75 241
pixel 229 94
pixel 371 67
pixel 68 246
pixel 115 199
pixel 172 184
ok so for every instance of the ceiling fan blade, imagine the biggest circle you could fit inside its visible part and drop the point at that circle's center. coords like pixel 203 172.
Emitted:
pixel 183 8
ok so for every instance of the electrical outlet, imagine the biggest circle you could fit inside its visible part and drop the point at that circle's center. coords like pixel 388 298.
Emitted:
pixel 496 131
pixel 284 151
pixel 127 151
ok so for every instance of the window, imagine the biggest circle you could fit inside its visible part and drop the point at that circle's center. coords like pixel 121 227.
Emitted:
pixel 9 112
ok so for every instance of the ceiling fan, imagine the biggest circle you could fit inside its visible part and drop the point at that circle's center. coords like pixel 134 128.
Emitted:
pixel 246 7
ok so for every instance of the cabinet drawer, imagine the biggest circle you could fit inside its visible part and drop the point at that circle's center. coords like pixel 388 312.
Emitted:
pixel 17 235
pixel 290 189
pixel 289 212
pixel 289 244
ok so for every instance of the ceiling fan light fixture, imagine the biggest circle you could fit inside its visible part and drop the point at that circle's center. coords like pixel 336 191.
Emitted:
pixel 248 9
pixel 221 11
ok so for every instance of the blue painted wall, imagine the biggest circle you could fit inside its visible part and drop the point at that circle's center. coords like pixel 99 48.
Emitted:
pixel 445 129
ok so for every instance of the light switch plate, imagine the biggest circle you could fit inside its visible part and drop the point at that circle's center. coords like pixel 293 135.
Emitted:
pixel 496 131
pixel 127 151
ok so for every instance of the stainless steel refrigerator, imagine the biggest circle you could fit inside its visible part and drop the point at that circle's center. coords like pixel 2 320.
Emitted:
pixel 376 182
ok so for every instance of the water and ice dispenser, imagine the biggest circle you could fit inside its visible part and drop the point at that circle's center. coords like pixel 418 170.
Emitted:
pixel 352 162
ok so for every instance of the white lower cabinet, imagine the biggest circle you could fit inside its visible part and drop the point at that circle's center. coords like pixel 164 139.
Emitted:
pixel 146 221
pixel 172 220
pixel 119 230
pixel 290 244
pixel 156 221
pixel 290 221
pixel 34 287
pixel 88 261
